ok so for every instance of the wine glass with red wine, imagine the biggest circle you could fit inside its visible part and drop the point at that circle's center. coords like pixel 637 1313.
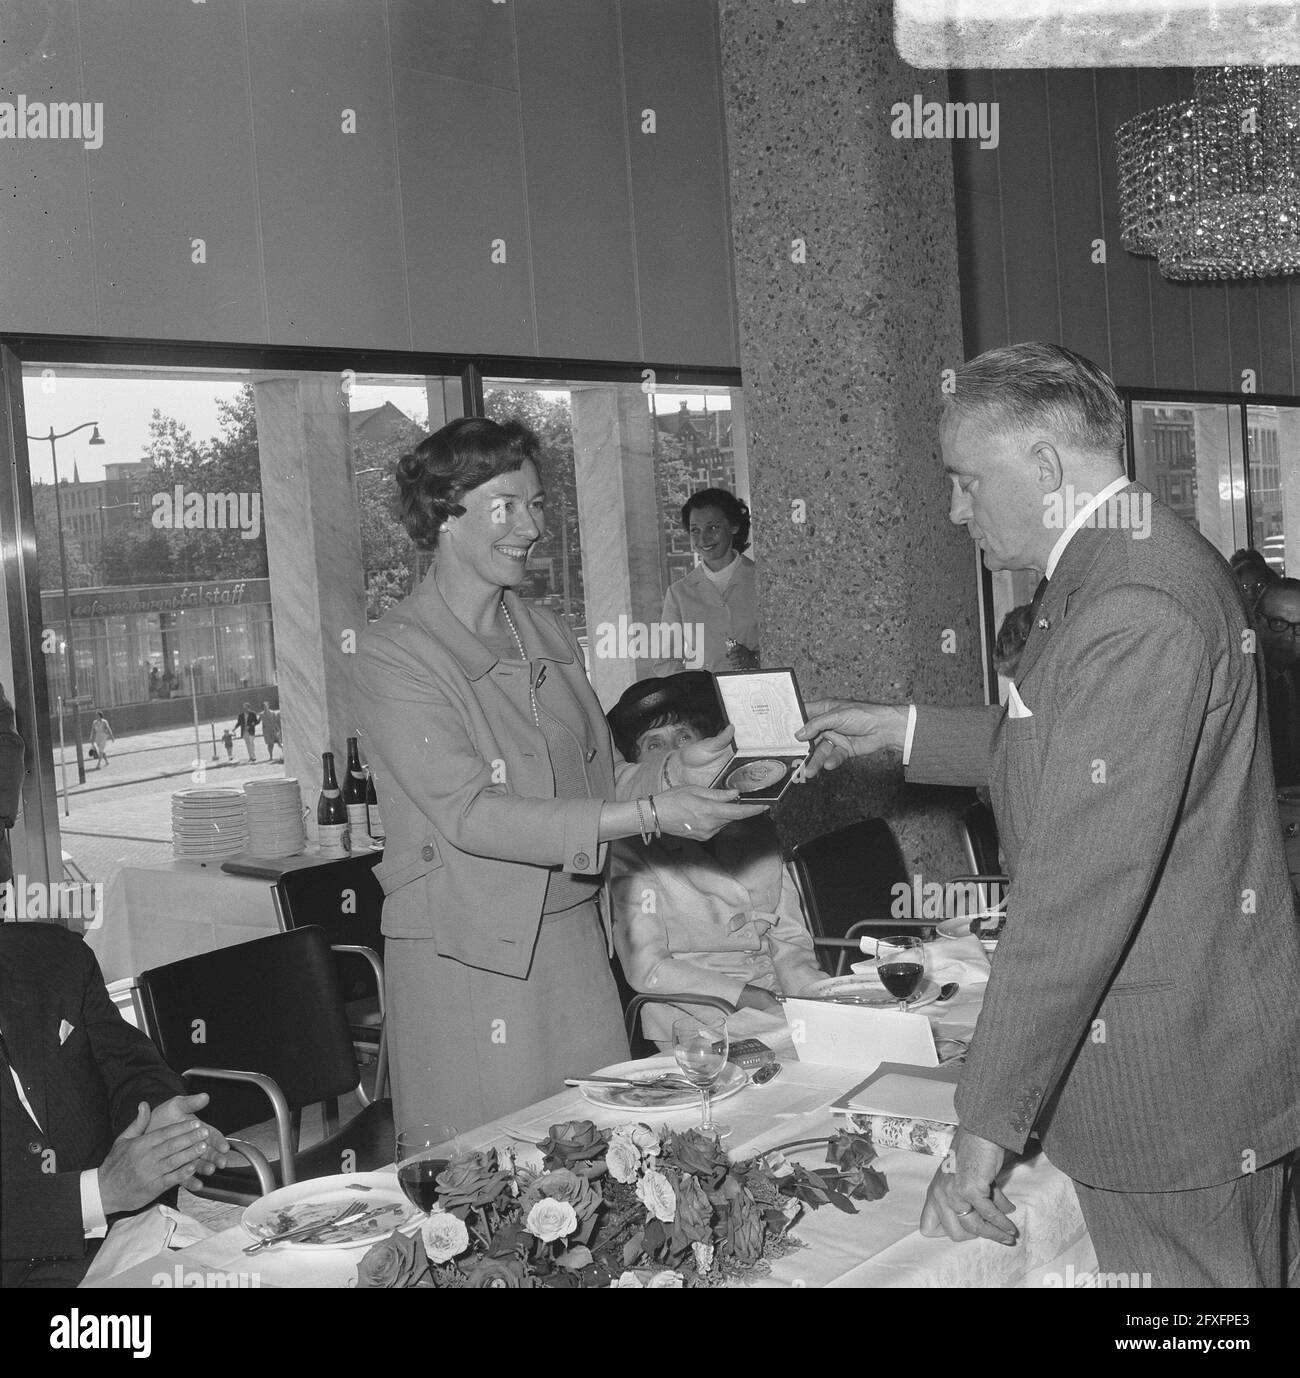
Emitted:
pixel 900 961
pixel 423 1152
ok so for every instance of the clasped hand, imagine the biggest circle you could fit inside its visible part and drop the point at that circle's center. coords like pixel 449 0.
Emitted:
pixel 161 1148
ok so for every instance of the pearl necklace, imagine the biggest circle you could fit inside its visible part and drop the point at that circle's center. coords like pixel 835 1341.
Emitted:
pixel 532 689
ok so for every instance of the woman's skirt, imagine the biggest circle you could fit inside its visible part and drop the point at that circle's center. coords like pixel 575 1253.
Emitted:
pixel 467 1045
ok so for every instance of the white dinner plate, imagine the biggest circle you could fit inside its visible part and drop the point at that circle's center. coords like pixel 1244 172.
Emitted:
pixel 656 1098
pixel 322 1198
pixel 867 989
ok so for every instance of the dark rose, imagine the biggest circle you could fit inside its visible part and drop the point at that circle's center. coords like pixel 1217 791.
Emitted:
pixel 575 1144
pixel 562 1184
pixel 397 1261
pixel 471 1181
pixel 498 1272
pixel 698 1154
pixel 847 1150
pixel 694 1213
pixel 743 1228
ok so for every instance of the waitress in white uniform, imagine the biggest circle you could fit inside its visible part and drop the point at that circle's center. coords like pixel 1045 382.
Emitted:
pixel 720 595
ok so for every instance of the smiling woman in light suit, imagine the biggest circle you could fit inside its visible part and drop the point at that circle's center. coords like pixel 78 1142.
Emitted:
pixel 499 788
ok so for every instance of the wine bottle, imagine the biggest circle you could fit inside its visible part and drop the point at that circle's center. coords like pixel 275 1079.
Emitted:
pixel 373 820
pixel 331 813
pixel 354 794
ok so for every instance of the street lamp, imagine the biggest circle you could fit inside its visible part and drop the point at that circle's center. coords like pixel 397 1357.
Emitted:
pixel 95 439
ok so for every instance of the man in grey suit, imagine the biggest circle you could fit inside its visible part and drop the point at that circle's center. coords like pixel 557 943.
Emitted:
pixel 1142 1015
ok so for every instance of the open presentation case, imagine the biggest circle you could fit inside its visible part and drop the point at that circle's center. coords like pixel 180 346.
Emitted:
pixel 766 709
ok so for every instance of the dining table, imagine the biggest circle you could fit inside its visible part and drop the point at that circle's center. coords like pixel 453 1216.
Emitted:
pixel 879 1245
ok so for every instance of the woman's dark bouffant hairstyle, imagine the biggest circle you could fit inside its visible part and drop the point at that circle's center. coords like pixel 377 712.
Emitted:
pixel 453 461
pixel 729 505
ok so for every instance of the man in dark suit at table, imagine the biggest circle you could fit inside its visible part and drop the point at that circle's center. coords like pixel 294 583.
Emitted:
pixel 1142 1012
pixel 93 1123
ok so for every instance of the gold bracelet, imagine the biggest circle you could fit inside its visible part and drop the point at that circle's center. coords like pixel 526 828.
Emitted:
pixel 641 823
pixel 654 812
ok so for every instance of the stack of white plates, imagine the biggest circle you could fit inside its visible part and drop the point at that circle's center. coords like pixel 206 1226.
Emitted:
pixel 208 822
pixel 275 826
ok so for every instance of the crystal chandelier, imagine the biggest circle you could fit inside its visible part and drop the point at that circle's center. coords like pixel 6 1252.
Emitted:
pixel 1211 187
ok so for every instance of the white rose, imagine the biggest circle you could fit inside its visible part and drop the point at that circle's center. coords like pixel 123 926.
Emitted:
pixel 550 1219
pixel 623 1159
pixel 645 1139
pixel 628 1280
pixel 444 1236
pixel 666 1279
pixel 703 1255
pixel 656 1194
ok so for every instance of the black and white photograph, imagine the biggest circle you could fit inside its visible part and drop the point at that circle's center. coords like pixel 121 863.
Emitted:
pixel 651 643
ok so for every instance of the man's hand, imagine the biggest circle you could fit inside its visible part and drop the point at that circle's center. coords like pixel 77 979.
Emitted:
pixel 742 657
pixel 698 763
pixel 179 1108
pixel 962 1201
pixel 144 1163
pixel 844 729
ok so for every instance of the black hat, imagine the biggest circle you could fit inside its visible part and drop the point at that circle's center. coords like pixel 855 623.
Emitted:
pixel 690 694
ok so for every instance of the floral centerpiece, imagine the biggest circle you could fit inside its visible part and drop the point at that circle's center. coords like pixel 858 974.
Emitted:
pixel 623 1207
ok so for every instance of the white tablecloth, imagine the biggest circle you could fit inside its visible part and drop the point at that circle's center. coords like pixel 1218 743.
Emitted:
pixel 159 914
pixel 878 1247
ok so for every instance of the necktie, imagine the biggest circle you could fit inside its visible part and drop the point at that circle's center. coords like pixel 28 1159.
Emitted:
pixel 1037 600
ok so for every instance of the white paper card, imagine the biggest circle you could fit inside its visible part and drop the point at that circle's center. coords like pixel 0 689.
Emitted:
pixel 851 1036
pixel 912 1097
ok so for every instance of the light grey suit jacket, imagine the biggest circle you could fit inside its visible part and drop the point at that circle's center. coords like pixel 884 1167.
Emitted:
pixel 1144 1008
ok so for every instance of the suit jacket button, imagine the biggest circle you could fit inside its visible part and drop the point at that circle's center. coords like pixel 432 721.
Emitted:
pixel 33 1148
pixel 582 861
pixel 428 852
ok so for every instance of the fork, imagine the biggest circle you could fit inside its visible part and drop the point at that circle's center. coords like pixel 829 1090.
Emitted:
pixel 348 1213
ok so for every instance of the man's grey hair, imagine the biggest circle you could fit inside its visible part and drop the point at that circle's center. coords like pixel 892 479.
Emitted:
pixel 1041 387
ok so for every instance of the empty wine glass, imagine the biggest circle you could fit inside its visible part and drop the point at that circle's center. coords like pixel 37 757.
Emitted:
pixel 423 1152
pixel 700 1045
pixel 900 961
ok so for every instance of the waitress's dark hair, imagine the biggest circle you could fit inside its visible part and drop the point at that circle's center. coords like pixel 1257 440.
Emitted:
pixel 729 505
pixel 453 461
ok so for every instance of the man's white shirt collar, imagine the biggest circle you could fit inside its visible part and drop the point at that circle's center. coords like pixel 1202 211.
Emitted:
pixel 1080 518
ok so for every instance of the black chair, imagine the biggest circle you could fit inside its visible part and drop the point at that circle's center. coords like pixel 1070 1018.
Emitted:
pixel 344 898
pixel 261 1025
pixel 847 878
pixel 979 836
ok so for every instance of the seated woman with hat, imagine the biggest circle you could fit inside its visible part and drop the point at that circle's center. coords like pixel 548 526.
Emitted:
pixel 721 917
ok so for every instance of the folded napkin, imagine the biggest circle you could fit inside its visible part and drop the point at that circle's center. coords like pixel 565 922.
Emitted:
pixel 948 959
pixel 898 1132
pixel 138 1238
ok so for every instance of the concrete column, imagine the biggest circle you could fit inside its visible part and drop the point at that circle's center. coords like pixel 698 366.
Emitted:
pixel 1214 476
pixel 848 297
pixel 618 517
pixel 313 548
pixel 445 399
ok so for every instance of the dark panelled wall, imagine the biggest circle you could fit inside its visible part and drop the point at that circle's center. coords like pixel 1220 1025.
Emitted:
pixel 474 122
pixel 1029 210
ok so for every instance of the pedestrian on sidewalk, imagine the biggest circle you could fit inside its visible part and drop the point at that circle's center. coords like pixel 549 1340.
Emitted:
pixel 100 736
pixel 246 727
pixel 229 743
pixel 271 730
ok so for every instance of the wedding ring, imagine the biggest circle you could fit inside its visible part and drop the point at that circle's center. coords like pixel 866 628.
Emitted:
pixel 959 1214
pixel 688 827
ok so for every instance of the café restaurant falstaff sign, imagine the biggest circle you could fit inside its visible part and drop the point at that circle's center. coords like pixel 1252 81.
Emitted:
pixel 87 603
